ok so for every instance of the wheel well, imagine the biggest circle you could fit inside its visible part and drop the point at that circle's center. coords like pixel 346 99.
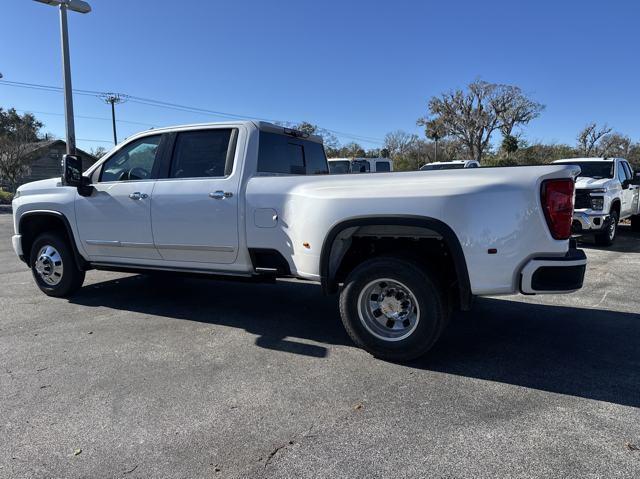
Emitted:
pixel 429 243
pixel 33 225
pixel 615 205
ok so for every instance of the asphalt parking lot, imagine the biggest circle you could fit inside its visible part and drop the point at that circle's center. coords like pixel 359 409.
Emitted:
pixel 185 378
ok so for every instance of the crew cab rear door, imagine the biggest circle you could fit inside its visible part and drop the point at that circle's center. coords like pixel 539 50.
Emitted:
pixel 115 220
pixel 194 211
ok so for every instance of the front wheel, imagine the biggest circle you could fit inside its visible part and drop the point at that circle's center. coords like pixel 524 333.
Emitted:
pixel 393 308
pixel 608 236
pixel 54 266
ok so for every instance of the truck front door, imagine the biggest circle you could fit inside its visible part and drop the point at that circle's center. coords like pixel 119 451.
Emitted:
pixel 628 190
pixel 114 222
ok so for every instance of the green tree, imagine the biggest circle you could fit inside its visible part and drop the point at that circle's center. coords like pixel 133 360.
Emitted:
pixel 16 134
pixel 509 144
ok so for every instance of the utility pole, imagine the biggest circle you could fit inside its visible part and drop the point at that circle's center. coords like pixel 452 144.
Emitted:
pixel 113 99
pixel 80 7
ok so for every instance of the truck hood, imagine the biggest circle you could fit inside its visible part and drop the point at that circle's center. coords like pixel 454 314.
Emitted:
pixel 40 185
pixel 585 182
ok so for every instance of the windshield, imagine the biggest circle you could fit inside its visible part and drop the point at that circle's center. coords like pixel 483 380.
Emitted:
pixel 594 169
pixel 339 167
pixel 448 166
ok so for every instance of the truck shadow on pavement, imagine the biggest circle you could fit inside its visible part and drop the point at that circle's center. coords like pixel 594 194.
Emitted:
pixel 278 313
pixel 588 353
pixel 627 241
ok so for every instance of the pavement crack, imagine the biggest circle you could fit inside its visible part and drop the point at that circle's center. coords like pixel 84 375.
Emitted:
pixel 131 470
pixel 275 451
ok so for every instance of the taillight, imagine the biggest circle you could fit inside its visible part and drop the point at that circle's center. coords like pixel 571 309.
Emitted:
pixel 557 203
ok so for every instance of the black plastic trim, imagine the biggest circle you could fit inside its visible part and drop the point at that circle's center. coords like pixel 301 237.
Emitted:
pixel 183 272
pixel 81 263
pixel 329 285
pixel 558 278
pixel 270 259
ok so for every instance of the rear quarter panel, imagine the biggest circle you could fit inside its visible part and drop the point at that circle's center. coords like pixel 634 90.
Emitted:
pixel 485 207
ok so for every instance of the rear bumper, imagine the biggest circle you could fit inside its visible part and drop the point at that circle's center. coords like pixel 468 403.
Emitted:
pixel 562 274
pixel 584 222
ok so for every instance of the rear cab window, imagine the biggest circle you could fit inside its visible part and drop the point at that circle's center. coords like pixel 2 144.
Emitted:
pixel 288 155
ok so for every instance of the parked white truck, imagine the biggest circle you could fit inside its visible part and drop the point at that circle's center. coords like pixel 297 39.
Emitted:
pixel 607 191
pixel 253 200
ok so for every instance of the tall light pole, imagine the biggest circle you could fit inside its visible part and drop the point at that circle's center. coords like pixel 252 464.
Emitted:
pixel 80 7
pixel 113 99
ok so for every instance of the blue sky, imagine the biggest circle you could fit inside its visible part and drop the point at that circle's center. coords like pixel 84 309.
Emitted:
pixel 360 67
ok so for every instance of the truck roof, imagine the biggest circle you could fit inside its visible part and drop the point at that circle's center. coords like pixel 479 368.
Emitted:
pixel 260 125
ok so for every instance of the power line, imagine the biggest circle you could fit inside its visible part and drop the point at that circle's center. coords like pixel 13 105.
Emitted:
pixel 88 117
pixel 178 107
pixel 94 141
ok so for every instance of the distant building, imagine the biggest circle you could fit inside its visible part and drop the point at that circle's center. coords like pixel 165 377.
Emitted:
pixel 44 159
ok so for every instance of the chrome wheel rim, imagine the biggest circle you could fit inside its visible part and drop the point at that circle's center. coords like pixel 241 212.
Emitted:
pixel 49 265
pixel 388 309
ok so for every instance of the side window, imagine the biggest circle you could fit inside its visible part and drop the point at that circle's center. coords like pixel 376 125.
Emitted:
pixel 628 170
pixel 361 166
pixel 290 156
pixel 383 166
pixel 133 162
pixel 202 154
pixel 622 176
pixel 315 158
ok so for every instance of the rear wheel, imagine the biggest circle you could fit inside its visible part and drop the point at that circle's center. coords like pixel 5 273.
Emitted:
pixel 608 236
pixel 635 223
pixel 393 308
pixel 54 266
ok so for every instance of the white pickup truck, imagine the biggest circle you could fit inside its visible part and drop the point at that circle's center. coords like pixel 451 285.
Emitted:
pixel 253 200
pixel 607 191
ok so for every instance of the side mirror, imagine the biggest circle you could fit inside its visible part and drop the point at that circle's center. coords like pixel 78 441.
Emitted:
pixel 72 175
pixel 71 170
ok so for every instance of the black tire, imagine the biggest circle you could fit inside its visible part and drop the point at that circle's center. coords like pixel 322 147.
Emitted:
pixel 607 237
pixel 71 278
pixel 432 308
pixel 635 223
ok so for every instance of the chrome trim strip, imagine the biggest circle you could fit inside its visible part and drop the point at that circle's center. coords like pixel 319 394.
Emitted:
pixel 196 247
pixel 128 244
pixel 123 244
pixel 103 242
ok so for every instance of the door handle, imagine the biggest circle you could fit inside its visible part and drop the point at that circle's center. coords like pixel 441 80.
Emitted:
pixel 220 195
pixel 136 195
